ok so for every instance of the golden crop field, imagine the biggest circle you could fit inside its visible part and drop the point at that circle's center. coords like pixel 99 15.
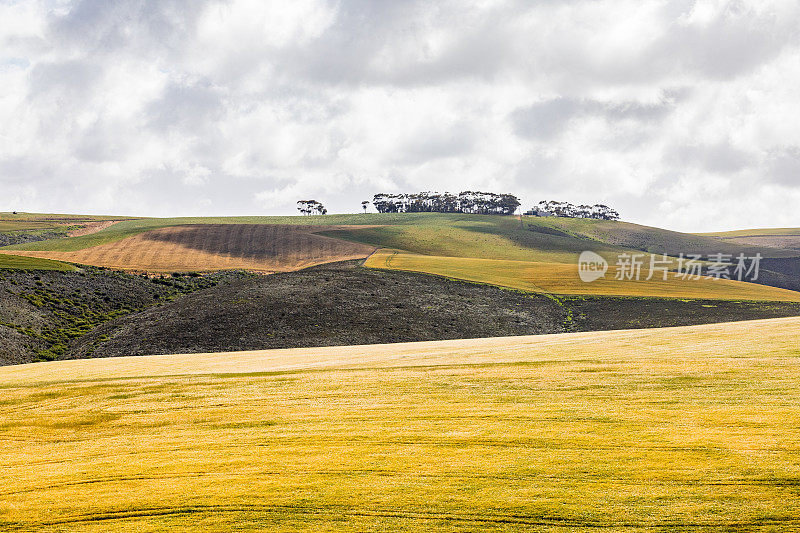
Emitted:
pixel 209 247
pixel 677 429
pixel 562 278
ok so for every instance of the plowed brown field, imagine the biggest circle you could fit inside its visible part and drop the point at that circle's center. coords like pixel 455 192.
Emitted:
pixel 208 247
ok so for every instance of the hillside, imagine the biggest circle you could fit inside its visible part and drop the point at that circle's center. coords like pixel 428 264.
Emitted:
pixel 474 260
pixel 212 247
pixel 96 313
pixel 787 239
pixel 563 278
pixel 687 428
pixel 546 246
pixel 341 304
pixel 44 314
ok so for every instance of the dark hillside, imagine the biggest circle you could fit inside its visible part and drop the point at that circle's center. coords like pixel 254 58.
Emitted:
pixel 101 313
pixel 342 304
pixel 339 304
pixel 43 313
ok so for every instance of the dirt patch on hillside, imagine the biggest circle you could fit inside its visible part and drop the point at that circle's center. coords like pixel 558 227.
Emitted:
pixel 213 247
pixel 91 227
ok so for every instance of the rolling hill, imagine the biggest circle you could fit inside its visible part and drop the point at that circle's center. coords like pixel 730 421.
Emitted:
pixel 211 247
pixel 780 238
pixel 535 256
pixel 669 429
pixel 563 278
pixel 544 248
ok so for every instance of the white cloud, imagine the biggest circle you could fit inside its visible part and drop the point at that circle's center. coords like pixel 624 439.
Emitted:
pixel 680 113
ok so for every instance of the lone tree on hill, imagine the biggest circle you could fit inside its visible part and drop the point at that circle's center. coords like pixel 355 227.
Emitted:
pixel 364 205
pixel 311 207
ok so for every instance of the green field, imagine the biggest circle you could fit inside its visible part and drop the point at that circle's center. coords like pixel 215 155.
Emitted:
pixel 754 232
pixel 128 228
pixel 32 263
pixel 674 429
pixel 7 215
pixel 454 235
pixel 649 239
pixel 787 239
pixel 45 221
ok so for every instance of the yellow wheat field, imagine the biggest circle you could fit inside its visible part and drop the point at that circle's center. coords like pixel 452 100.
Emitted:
pixel 678 429
pixel 562 278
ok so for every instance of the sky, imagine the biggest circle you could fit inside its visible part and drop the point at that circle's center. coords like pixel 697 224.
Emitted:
pixel 679 114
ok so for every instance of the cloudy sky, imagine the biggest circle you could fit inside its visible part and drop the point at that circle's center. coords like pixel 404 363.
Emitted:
pixel 682 114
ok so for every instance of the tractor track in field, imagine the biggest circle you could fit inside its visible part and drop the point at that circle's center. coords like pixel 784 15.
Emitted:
pixel 595 479
pixel 327 512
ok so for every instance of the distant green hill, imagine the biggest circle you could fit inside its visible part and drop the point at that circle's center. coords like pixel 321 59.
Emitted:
pixel 551 240
pixel 787 239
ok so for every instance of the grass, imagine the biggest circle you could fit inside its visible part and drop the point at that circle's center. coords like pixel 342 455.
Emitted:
pixel 650 239
pixel 787 239
pixel 446 234
pixel 426 233
pixel 539 253
pixel 10 222
pixel 755 232
pixel 484 237
pixel 129 228
pixel 24 225
pixel 674 429
pixel 562 278
pixel 16 262
pixel 9 216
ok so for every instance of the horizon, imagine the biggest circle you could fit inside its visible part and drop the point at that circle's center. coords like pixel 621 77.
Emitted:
pixel 373 212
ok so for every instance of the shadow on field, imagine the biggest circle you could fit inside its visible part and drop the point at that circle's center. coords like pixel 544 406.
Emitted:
pixel 252 241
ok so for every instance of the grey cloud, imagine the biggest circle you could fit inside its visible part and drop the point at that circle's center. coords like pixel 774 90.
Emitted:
pixel 540 172
pixel 546 120
pixel 720 158
pixel 732 44
pixel 454 141
pixel 103 141
pixel 189 107
pixel 67 81
pixel 784 166
pixel 130 26
pixel 366 45
pixel 19 170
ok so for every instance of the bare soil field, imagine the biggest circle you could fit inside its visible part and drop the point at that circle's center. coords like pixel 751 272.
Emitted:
pixel 213 247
